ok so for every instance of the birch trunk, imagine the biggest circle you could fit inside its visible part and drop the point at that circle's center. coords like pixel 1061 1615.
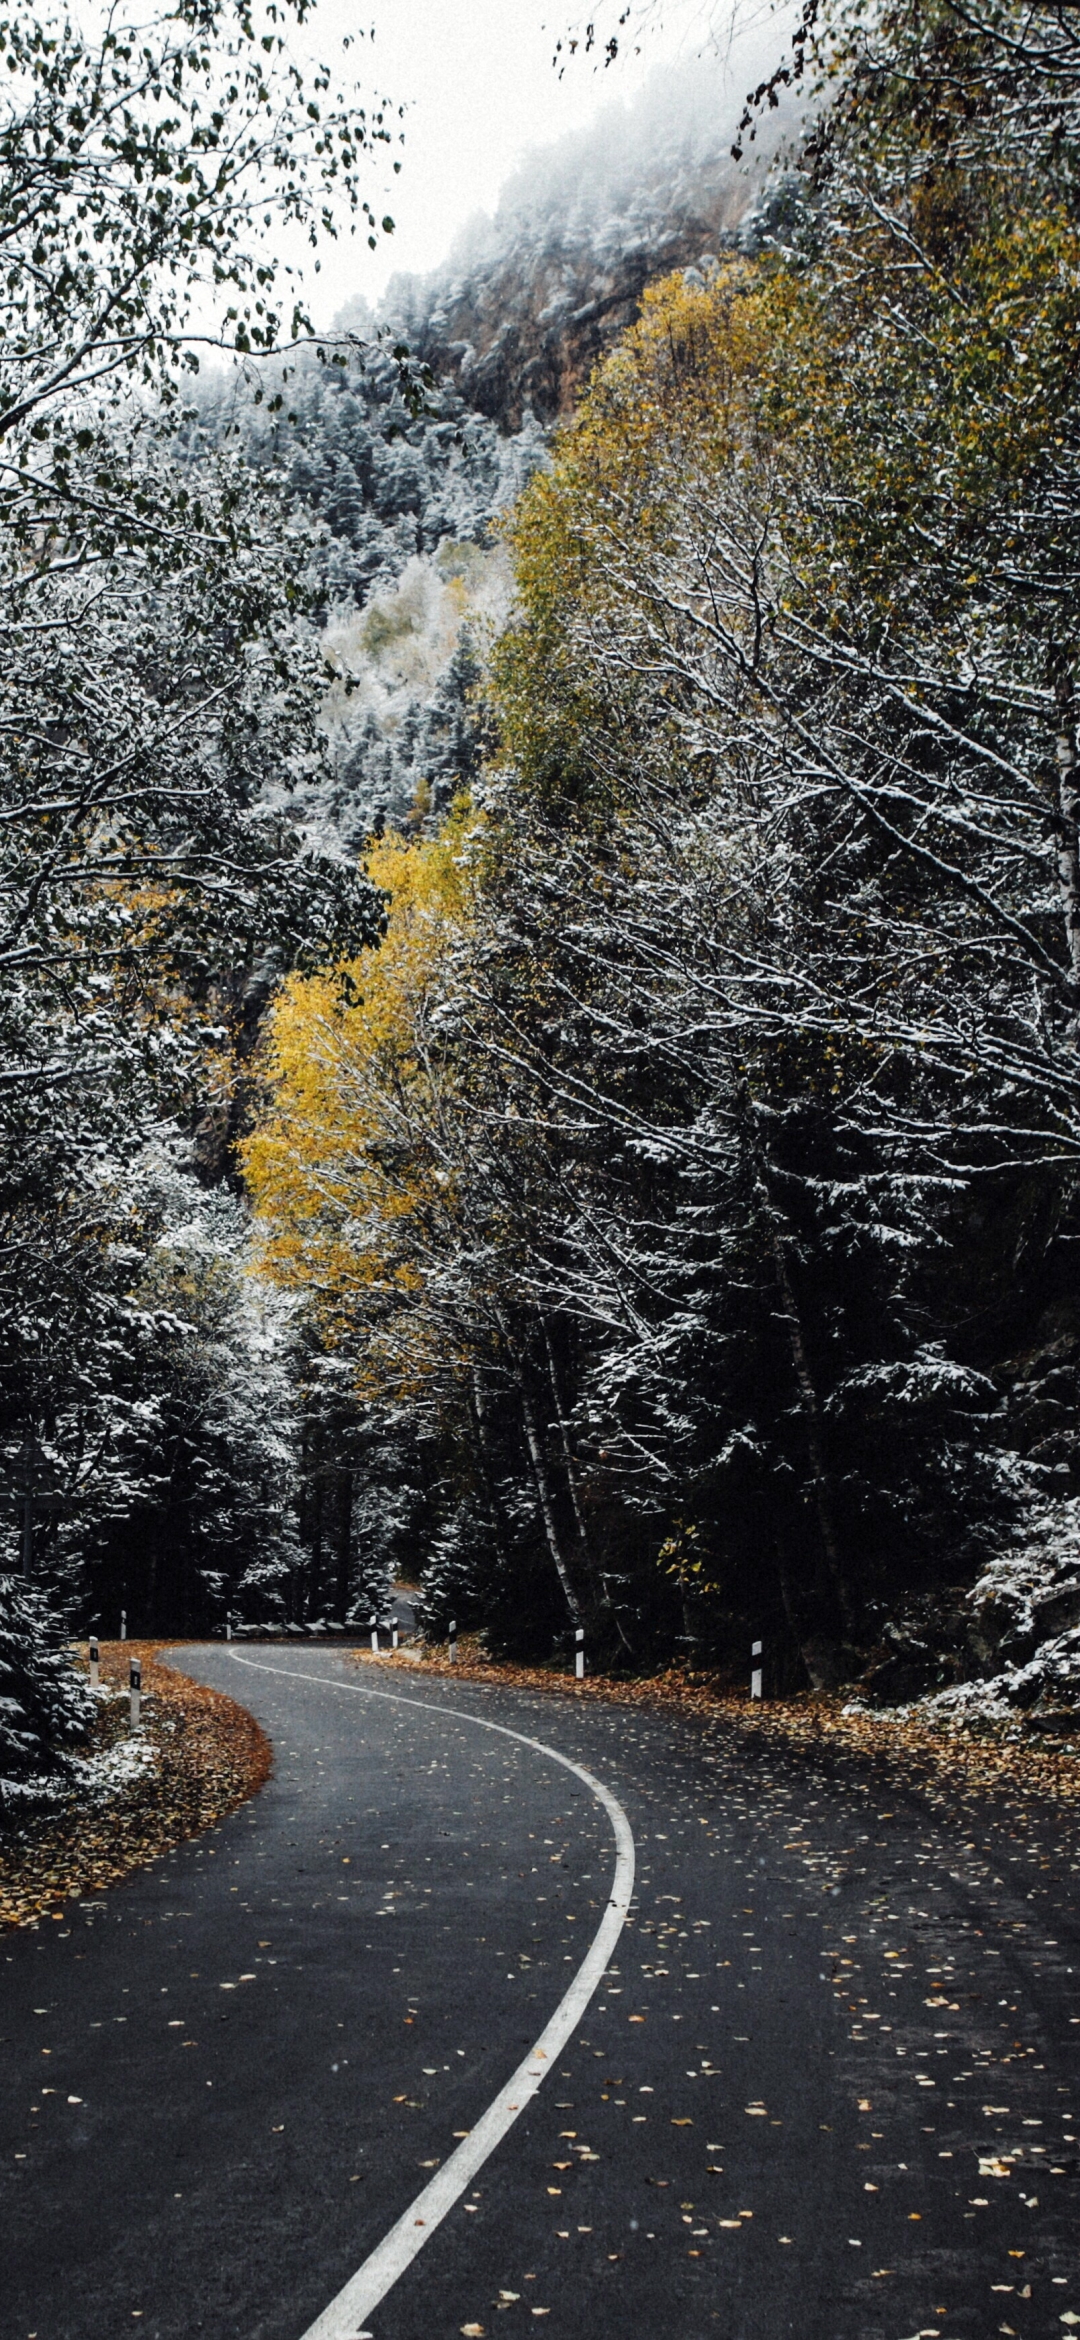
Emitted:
pixel 1068 826
pixel 547 1507
pixel 597 1585
pixel 566 1442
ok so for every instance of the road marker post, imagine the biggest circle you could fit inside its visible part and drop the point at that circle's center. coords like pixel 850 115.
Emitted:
pixel 373 1629
pixel 579 1653
pixel 123 1624
pixel 135 1680
pixel 453 1640
pixel 228 1624
pixel 95 1662
pixel 755 1675
pixel 393 1632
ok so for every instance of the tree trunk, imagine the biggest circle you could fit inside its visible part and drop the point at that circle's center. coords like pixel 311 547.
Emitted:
pixel 547 1507
pixel 1068 829
pixel 597 1587
pixel 815 1443
pixel 478 1410
pixel 567 1446
pixel 344 1541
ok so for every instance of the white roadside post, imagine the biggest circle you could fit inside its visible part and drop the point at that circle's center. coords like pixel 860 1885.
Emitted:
pixel 393 1632
pixel 755 1676
pixel 374 1636
pixel 95 1662
pixel 579 1653
pixel 123 1624
pixel 135 1678
pixel 453 1641
pixel 228 1624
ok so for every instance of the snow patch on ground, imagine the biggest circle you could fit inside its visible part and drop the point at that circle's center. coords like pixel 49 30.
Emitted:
pixel 1049 1683
pixel 1025 1629
pixel 94 1780
pixel 98 1778
pixel 1017 1637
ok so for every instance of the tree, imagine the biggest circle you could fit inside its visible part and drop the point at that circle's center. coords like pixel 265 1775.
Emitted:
pixel 156 669
pixel 755 1057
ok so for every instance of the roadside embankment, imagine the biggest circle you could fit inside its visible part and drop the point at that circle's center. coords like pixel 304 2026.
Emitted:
pixel 131 1794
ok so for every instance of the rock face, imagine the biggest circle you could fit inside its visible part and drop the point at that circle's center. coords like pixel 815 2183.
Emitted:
pixel 529 301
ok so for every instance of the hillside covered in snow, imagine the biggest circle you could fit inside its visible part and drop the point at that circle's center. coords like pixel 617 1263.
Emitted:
pixel 410 578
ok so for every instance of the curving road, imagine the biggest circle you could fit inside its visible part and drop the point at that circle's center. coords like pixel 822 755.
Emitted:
pixel 824 2088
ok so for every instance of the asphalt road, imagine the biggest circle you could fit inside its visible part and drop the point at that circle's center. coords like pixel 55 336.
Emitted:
pixel 826 2088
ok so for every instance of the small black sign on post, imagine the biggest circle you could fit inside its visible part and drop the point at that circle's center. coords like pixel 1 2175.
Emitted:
pixel 135 1681
pixel 756 1672
pixel 453 1640
pixel 579 1653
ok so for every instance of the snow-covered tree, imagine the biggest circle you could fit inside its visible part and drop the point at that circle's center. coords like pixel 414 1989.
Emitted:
pixel 155 671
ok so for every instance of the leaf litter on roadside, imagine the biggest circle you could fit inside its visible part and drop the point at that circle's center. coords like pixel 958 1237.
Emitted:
pixel 204 1754
pixel 934 1756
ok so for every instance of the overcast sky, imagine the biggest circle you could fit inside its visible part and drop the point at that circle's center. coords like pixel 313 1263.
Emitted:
pixel 477 80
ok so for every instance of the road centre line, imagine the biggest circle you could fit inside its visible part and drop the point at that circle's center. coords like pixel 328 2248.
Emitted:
pixel 345 2318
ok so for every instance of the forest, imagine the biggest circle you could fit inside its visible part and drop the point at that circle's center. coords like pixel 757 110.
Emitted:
pixel 540 1029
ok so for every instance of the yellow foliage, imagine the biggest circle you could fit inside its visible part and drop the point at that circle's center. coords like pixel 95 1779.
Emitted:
pixel 778 442
pixel 344 1167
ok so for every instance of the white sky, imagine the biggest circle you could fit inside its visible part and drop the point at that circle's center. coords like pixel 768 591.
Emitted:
pixel 478 81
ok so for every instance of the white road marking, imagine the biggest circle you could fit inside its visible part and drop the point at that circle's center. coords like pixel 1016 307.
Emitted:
pixel 346 2316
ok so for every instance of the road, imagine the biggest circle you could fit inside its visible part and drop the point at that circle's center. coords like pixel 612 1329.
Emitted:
pixel 826 2086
